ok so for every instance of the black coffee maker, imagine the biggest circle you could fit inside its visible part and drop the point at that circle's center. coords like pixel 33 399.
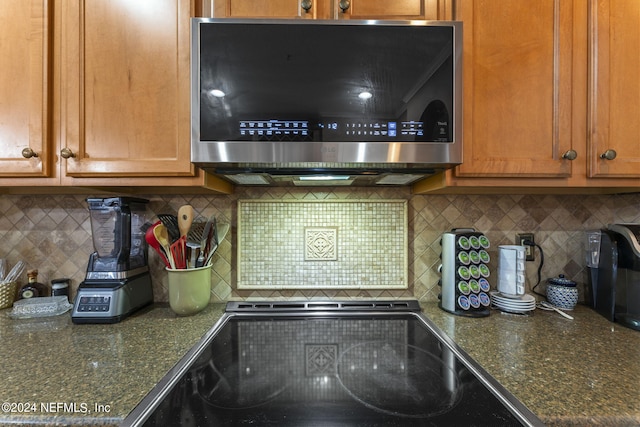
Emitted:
pixel 613 263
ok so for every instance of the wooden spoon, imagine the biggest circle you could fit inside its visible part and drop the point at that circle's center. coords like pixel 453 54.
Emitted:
pixel 162 236
pixel 185 219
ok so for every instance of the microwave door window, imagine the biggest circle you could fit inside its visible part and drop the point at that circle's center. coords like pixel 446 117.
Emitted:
pixel 318 82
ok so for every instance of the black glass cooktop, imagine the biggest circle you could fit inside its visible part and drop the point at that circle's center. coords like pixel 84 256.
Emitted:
pixel 329 368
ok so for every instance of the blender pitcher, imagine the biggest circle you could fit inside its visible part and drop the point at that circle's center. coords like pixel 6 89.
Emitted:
pixel 117 231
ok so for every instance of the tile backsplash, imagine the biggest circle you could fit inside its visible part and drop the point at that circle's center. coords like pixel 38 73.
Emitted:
pixel 52 233
pixel 322 244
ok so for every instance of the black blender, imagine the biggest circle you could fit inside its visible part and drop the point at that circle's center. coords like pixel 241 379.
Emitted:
pixel 118 282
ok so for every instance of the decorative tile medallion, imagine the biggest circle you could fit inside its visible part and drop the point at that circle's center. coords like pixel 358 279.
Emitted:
pixel 321 359
pixel 320 244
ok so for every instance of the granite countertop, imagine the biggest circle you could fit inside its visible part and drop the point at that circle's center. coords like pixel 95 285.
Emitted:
pixel 568 372
pixel 577 372
pixel 57 373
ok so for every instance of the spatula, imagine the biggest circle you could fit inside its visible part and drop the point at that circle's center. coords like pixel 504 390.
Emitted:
pixel 193 242
pixel 178 253
pixel 220 234
pixel 171 223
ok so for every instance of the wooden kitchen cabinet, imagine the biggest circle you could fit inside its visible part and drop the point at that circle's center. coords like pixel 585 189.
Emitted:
pixel 517 87
pixel 329 9
pixel 118 93
pixel 527 66
pixel 400 9
pixel 274 9
pixel 124 90
pixel 614 88
pixel 25 82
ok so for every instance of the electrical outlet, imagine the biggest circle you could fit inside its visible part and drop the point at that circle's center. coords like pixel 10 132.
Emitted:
pixel 529 249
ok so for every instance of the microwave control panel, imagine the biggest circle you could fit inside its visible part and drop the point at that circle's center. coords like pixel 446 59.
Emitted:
pixel 341 130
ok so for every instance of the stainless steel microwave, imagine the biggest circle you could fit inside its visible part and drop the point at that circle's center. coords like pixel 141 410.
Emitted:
pixel 367 102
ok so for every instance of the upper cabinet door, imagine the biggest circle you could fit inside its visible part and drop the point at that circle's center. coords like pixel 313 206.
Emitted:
pixel 517 66
pixel 25 48
pixel 124 88
pixel 328 9
pixel 614 88
pixel 399 9
pixel 281 9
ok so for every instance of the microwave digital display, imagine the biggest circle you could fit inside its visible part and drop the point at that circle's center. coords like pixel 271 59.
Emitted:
pixel 332 130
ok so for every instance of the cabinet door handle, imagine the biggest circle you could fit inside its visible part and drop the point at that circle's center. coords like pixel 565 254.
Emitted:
pixel 609 155
pixel 570 155
pixel 306 5
pixel 28 153
pixel 344 5
pixel 66 153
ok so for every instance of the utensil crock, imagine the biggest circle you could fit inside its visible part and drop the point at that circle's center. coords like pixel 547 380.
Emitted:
pixel 189 289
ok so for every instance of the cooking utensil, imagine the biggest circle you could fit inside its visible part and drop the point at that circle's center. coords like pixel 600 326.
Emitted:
pixel 220 233
pixel 194 239
pixel 185 219
pixel 171 223
pixel 206 240
pixel 212 242
pixel 178 252
pixel 152 240
pixel 223 230
pixel 547 306
pixel 162 235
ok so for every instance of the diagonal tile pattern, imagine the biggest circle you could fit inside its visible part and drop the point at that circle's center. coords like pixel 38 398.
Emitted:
pixel 53 233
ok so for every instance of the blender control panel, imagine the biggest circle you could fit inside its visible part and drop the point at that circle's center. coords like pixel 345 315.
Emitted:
pixel 465 273
pixel 93 304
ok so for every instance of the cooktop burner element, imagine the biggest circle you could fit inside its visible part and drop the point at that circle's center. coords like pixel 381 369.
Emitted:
pixel 218 385
pixel 328 364
pixel 397 379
